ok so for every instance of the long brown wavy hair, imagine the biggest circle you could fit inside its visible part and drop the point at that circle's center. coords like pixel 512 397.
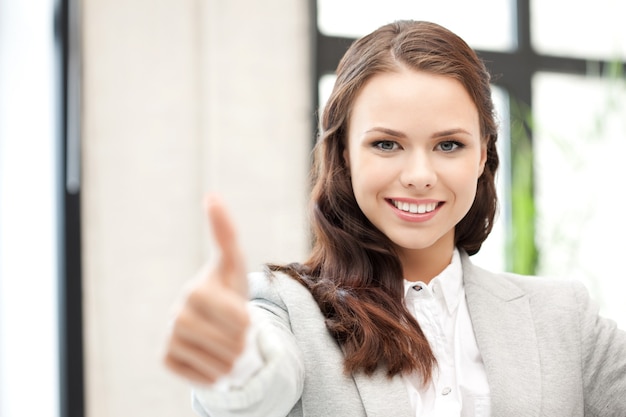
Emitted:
pixel 353 271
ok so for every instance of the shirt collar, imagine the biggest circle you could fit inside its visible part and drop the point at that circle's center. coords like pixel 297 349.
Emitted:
pixel 447 286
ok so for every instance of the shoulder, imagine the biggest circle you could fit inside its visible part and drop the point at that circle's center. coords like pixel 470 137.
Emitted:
pixel 274 286
pixel 573 341
pixel 277 290
pixel 508 286
pixel 545 286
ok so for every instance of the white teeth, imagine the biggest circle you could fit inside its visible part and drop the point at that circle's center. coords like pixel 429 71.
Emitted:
pixel 415 208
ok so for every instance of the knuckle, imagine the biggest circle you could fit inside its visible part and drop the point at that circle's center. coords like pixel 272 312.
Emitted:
pixel 172 350
pixel 183 320
pixel 171 362
pixel 197 296
pixel 167 359
pixel 228 367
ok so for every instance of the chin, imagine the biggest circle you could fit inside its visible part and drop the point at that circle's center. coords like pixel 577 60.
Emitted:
pixel 412 245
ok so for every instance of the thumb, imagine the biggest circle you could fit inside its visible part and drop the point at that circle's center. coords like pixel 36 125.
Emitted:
pixel 231 269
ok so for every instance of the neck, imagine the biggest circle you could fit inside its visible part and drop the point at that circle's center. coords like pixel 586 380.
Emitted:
pixel 425 264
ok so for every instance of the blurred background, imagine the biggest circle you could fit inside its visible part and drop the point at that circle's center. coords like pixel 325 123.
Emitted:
pixel 117 116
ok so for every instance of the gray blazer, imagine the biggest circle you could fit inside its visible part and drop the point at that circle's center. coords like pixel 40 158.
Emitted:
pixel 545 349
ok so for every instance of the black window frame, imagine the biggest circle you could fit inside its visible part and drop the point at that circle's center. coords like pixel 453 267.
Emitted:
pixel 70 288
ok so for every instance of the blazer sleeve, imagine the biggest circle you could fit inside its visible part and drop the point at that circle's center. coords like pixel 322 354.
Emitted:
pixel 603 360
pixel 278 385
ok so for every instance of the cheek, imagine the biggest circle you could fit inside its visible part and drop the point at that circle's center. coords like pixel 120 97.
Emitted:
pixel 369 172
pixel 464 180
pixel 360 184
pixel 367 181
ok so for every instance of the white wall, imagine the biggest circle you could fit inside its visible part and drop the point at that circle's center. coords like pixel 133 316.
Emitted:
pixel 182 97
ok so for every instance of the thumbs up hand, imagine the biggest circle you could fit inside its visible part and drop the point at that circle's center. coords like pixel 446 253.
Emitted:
pixel 208 332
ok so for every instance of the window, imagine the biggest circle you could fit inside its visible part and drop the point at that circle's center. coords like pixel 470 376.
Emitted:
pixel 578 152
pixel 29 308
pixel 590 31
pixel 355 18
pixel 560 94
pixel 40 304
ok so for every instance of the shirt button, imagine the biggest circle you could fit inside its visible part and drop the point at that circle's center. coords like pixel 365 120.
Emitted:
pixel 446 391
pixel 417 288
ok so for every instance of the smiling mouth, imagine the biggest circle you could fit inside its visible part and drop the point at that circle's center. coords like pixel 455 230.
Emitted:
pixel 413 207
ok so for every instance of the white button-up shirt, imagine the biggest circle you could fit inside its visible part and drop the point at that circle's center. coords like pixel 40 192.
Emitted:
pixel 459 385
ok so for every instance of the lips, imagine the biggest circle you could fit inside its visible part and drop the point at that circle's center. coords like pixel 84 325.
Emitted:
pixel 415 208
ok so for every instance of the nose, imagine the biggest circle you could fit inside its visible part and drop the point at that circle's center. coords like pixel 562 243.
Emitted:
pixel 418 172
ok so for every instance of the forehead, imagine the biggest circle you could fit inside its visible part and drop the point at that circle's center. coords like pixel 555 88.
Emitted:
pixel 411 99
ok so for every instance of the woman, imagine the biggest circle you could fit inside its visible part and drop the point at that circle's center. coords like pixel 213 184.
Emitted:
pixel 389 316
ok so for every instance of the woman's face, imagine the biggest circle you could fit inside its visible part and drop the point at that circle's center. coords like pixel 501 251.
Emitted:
pixel 415 154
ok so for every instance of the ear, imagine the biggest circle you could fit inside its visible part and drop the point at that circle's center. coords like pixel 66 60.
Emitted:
pixel 346 157
pixel 483 156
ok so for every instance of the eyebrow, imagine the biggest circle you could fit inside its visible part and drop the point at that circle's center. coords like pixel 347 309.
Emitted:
pixel 443 133
pixel 451 132
pixel 387 131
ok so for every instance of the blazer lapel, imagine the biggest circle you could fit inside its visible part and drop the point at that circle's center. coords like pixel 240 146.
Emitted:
pixel 380 394
pixel 503 325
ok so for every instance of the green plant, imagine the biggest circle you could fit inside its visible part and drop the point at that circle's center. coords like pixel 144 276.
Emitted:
pixel 521 254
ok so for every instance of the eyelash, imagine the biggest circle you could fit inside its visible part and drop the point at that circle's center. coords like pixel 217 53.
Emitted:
pixel 379 143
pixel 457 145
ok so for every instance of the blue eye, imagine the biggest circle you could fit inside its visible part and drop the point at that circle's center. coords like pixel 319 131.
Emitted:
pixel 385 145
pixel 450 145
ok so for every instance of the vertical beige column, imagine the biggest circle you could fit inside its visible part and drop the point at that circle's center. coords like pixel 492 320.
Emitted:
pixel 258 121
pixel 182 97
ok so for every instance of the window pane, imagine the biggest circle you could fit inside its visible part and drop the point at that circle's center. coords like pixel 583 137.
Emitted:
pixel 325 87
pixel 492 254
pixel 585 30
pixel 579 149
pixel 493 29
pixel 29 355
